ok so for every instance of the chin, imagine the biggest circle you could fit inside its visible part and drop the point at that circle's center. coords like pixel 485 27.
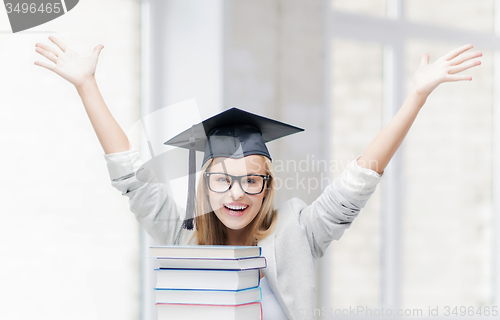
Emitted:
pixel 233 227
pixel 231 224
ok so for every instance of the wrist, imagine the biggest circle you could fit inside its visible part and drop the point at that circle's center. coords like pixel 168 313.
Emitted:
pixel 86 84
pixel 418 97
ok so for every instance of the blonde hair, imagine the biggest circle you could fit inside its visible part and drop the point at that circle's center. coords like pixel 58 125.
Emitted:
pixel 211 231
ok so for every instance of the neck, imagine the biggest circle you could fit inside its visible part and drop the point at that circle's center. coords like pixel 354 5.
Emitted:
pixel 236 237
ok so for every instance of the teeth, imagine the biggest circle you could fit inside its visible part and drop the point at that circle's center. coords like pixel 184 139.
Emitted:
pixel 236 207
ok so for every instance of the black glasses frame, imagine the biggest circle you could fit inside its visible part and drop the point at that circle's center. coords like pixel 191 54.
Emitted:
pixel 236 178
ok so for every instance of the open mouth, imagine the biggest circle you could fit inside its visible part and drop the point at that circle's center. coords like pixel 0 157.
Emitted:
pixel 235 210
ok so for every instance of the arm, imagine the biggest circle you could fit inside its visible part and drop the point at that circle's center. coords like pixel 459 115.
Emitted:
pixel 148 199
pixel 155 210
pixel 335 209
pixel 427 77
pixel 332 213
pixel 80 72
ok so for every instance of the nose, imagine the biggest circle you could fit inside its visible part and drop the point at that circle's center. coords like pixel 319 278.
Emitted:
pixel 236 191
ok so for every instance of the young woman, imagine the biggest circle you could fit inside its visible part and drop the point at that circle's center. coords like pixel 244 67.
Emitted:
pixel 234 200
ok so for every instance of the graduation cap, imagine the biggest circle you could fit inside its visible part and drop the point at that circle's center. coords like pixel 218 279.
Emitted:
pixel 233 133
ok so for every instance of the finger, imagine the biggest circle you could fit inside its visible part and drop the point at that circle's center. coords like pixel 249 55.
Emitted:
pixel 464 66
pixel 97 51
pixel 425 60
pixel 59 43
pixel 45 65
pixel 49 55
pixel 457 77
pixel 458 60
pixel 48 48
pixel 453 53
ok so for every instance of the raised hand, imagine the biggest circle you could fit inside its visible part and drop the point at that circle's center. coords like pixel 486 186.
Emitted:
pixel 426 79
pixel 67 63
pixel 445 69
pixel 80 72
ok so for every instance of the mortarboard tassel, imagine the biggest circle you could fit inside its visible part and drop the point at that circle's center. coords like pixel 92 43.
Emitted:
pixel 189 219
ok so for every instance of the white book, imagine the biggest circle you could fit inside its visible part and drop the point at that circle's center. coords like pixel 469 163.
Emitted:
pixel 196 251
pixel 208 296
pixel 207 279
pixel 250 311
pixel 207 263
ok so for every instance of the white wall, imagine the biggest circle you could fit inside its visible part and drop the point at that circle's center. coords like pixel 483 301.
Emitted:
pixel 69 247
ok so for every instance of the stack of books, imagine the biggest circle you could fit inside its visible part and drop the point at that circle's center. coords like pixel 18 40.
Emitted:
pixel 208 282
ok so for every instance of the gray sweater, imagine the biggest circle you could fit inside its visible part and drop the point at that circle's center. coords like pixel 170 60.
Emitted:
pixel 302 234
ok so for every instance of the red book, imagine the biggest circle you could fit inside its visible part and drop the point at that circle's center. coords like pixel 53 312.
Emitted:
pixel 177 311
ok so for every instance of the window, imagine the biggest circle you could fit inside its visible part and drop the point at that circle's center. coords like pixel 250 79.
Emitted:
pixel 427 237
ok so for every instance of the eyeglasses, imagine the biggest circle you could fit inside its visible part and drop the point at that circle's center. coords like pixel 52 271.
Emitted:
pixel 222 182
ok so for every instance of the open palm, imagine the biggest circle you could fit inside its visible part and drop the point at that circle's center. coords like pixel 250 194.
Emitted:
pixel 445 69
pixel 67 63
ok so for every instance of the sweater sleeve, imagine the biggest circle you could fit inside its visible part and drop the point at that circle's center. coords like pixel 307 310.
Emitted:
pixel 155 210
pixel 333 211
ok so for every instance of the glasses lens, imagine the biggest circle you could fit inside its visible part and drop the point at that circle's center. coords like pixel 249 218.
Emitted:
pixel 219 182
pixel 252 184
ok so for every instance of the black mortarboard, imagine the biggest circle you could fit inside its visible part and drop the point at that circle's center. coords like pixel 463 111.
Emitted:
pixel 233 133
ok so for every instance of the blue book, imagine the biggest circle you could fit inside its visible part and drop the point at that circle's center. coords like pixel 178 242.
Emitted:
pixel 202 279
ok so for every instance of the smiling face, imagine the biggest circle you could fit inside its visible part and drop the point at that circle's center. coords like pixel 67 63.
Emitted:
pixel 234 208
